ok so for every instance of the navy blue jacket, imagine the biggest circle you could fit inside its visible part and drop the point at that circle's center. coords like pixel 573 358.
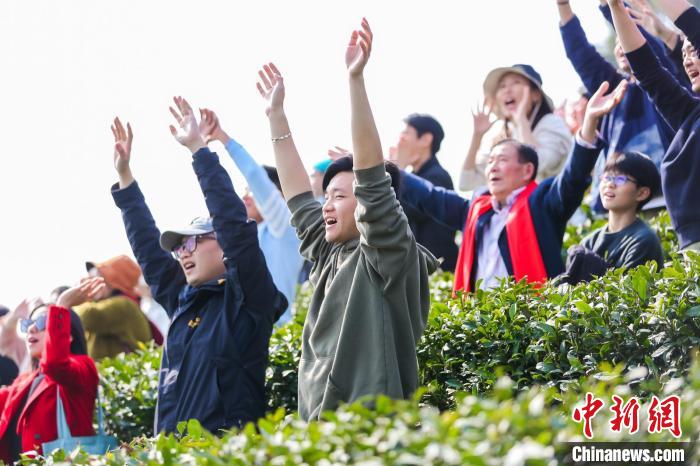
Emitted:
pixel 680 168
pixel 439 239
pixel 552 203
pixel 634 124
pixel 216 352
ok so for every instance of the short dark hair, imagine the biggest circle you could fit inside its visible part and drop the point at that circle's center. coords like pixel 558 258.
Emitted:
pixel 526 153
pixel 638 166
pixel 424 123
pixel 273 175
pixel 344 164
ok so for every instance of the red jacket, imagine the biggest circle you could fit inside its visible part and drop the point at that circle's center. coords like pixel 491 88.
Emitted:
pixel 76 375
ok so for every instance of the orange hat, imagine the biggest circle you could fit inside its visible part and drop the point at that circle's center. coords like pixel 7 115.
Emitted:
pixel 120 273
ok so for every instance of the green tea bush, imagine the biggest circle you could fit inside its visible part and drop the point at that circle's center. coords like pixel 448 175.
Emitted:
pixel 555 335
pixel 530 428
pixel 552 336
pixel 129 387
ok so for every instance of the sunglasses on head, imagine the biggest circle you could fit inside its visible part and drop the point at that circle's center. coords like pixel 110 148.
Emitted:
pixel 40 323
pixel 617 180
pixel 189 244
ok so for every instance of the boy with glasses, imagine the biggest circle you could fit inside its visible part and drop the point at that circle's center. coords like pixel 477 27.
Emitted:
pixel 628 181
pixel 215 287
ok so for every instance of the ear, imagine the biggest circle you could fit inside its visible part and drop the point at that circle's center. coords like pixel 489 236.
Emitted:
pixel 528 171
pixel 426 139
pixel 643 194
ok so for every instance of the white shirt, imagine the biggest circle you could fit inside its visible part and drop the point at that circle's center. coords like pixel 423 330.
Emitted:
pixel 490 266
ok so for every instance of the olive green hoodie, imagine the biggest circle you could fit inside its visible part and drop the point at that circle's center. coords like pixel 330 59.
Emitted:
pixel 370 303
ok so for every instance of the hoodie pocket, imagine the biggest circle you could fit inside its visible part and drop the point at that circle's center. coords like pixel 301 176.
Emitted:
pixel 333 396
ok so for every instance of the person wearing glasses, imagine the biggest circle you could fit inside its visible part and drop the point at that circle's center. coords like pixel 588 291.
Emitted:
pixel 55 341
pixel 629 180
pixel 212 280
pixel 516 227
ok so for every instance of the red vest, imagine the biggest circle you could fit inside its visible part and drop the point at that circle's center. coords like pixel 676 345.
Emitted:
pixel 524 249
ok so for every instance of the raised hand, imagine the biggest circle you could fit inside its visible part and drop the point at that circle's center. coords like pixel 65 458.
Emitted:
pixel 22 310
pixel 643 14
pixel 599 105
pixel 520 116
pixel 122 151
pixel 482 116
pixel 337 153
pixel 359 49
pixel 210 127
pixel 88 288
pixel 187 133
pixel 122 145
pixel 271 88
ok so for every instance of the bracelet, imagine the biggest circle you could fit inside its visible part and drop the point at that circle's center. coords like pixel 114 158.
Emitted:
pixel 284 136
pixel 564 2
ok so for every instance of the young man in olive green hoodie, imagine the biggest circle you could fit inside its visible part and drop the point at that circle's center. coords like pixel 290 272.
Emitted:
pixel 371 298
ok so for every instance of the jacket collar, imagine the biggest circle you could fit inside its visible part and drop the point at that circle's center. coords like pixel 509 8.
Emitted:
pixel 43 385
pixel 429 164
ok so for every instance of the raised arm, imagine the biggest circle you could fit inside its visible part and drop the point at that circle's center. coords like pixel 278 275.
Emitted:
pixel 689 23
pixel 482 120
pixel 267 197
pixel 56 361
pixel 385 236
pixel 591 66
pixel 367 148
pixel 629 34
pixel 237 236
pixel 160 270
pixel 646 18
pixel 674 8
pixel 567 189
pixel 293 176
pixel 656 43
pixel 671 99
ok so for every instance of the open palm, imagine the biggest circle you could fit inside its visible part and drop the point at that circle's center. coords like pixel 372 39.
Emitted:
pixel 187 133
pixel 122 145
pixel 359 49
pixel 271 87
pixel 601 104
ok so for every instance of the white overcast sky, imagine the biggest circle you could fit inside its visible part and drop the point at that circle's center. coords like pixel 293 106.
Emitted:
pixel 69 67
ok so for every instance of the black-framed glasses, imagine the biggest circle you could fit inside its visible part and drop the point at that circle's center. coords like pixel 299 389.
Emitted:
pixel 40 323
pixel 617 180
pixel 189 244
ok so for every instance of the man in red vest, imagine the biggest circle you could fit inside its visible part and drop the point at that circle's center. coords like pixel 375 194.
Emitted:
pixel 516 226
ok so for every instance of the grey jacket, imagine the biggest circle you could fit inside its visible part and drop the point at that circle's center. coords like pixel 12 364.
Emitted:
pixel 370 303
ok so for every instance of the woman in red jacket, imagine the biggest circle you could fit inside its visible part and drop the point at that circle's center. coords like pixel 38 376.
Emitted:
pixel 56 342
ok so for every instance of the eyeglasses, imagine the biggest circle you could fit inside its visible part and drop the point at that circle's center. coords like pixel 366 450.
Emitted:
pixel 189 244
pixel 40 323
pixel 617 180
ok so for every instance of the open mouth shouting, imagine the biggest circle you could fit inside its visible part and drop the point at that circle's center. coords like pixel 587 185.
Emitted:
pixel 330 222
pixel 188 266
